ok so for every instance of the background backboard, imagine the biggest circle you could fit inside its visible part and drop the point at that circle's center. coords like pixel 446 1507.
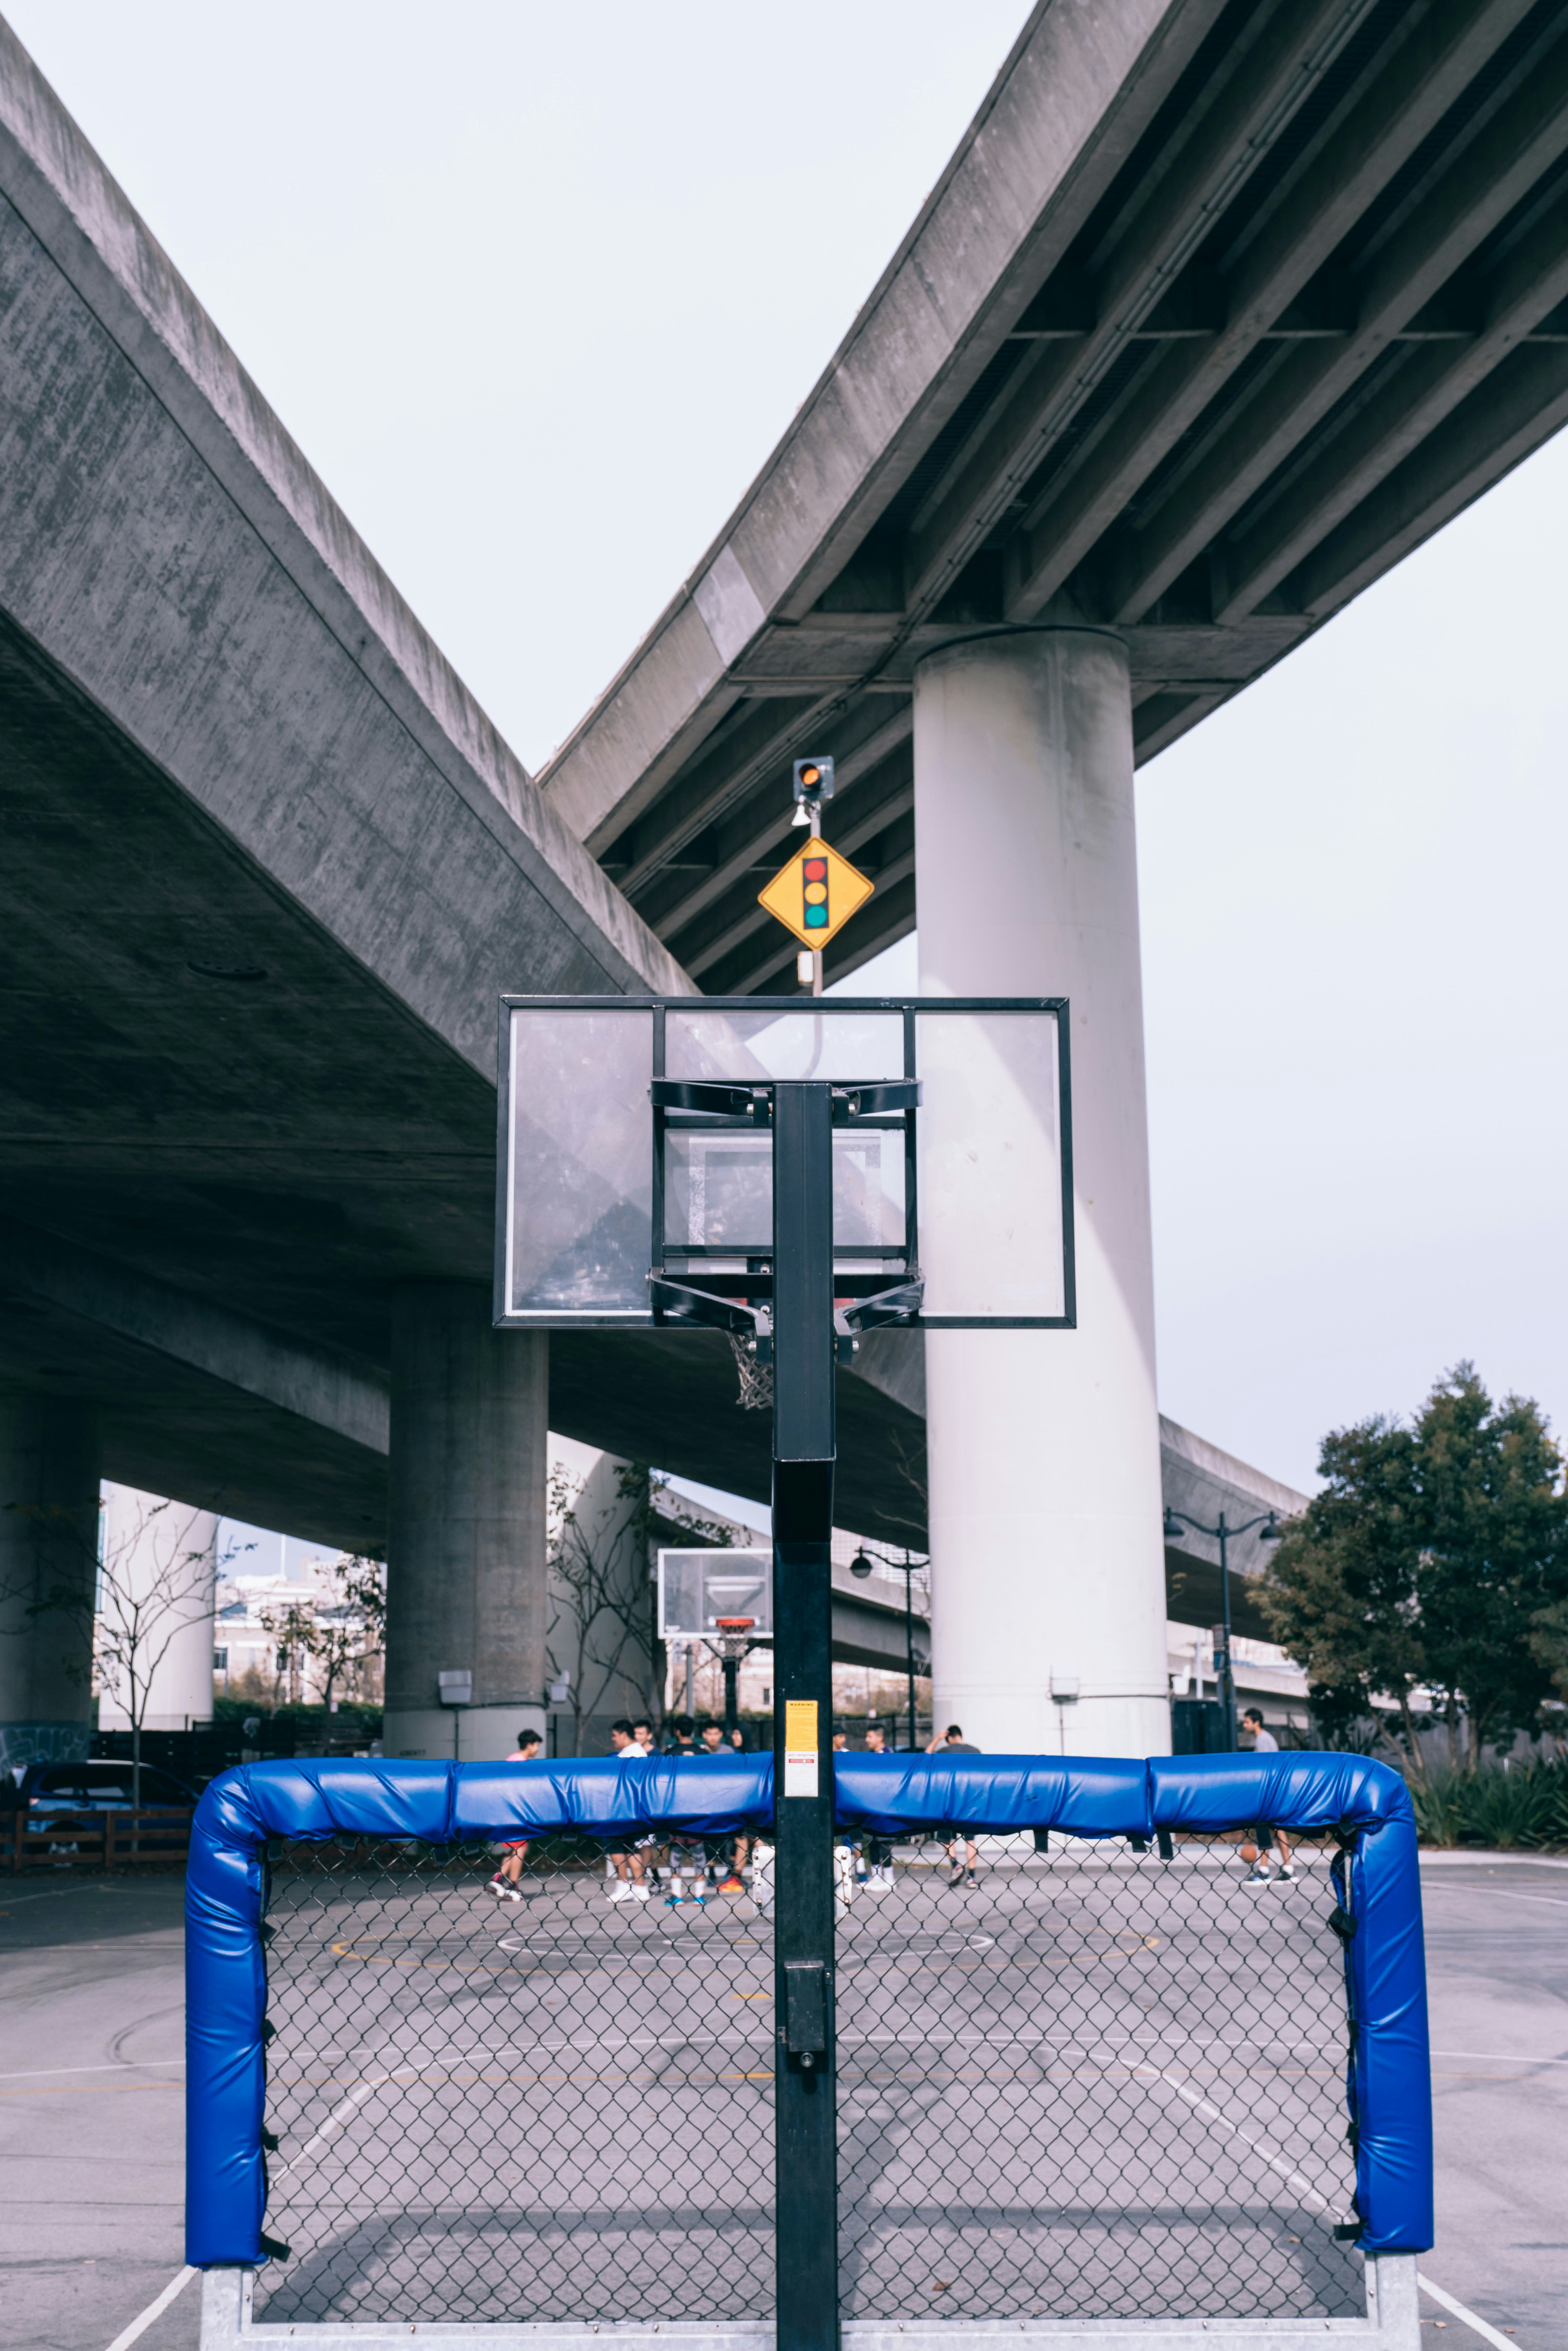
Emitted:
pixel 697 1587
pixel 597 1187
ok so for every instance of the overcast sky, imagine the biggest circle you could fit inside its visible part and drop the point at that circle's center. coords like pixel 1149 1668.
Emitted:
pixel 537 289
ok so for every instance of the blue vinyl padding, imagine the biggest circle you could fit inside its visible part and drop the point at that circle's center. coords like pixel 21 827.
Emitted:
pixel 1388 2082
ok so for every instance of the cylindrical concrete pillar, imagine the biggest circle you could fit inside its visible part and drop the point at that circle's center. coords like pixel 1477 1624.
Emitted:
pixel 1047 1566
pixel 466 1545
pixel 157 1587
pixel 48 1565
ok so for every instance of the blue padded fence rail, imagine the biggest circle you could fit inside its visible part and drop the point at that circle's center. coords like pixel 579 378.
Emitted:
pixel 1388 2081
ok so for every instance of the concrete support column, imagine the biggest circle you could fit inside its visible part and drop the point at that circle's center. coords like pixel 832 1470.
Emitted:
pixel 158 1583
pixel 466 1544
pixel 1044 1445
pixel 48 1566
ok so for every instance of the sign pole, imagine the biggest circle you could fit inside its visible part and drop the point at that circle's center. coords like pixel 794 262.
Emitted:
pixel 806 2120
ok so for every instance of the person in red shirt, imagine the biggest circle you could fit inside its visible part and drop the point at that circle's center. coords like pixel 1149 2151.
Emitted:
pixel 505 1885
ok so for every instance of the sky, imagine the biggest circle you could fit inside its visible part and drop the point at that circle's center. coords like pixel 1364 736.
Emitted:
pixel 536 290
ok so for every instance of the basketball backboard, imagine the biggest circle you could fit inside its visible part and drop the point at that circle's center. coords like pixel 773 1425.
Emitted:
pixel 697 1589
pixel 612 1205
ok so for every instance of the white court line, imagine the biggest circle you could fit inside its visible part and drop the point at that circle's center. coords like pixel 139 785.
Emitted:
pixel 89 1885
pixel 1492 2057
pixel 1277 2163
pixel 124 2066
pixel 182 2278
pixel 1503 1893
pixel 1466 2317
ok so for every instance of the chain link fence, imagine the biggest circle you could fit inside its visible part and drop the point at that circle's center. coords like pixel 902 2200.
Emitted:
pixel 1083 2082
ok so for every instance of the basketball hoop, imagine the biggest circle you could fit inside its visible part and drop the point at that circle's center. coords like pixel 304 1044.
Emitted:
pixel 756 1379
pixel 734 1634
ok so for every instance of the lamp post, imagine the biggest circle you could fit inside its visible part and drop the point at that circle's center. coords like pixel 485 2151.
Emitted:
pixel 1222 1533
pixel 861 1567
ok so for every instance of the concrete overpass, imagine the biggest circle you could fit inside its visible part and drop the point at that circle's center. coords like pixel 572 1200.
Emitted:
pixel 1220 309
pixel 1217 311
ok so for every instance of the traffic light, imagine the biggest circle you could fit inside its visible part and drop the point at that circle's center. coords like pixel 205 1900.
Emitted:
pixel 813 779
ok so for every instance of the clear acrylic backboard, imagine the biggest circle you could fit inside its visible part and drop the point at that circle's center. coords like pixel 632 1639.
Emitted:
pixel 597 1190
pixel 697 1588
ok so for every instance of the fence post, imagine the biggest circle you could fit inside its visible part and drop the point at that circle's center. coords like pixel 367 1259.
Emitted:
pixel 806 2102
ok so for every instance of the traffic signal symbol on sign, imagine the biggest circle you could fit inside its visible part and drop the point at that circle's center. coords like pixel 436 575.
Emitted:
pixel 815 894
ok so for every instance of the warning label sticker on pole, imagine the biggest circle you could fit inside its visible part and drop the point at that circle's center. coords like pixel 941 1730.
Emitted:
pixel 801 1746
pixel 815 894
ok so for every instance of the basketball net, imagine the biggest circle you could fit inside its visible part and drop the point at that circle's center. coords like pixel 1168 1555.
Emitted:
pixel 756 1381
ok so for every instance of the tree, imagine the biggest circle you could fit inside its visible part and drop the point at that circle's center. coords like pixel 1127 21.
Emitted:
pixel 1340 1591
pixel 153 1583
pixel 601 1630
pixel 1494 1557
pixel 1432 1562
pixel 340 1634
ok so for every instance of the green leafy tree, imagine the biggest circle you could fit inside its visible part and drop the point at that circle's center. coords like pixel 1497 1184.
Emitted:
pixel 1431 1567
pixel 1341 1589
pixel 1494 1557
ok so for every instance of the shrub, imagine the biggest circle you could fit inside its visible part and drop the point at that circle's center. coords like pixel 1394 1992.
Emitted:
pixel 1522 1808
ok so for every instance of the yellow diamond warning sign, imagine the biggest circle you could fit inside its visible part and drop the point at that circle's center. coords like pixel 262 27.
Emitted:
pixel 815 894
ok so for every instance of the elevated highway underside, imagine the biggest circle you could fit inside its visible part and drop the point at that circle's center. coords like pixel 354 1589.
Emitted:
pixel 1220 309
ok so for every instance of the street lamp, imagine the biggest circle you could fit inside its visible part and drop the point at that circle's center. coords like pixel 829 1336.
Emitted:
pixel 1269 1521
pixel 861 1567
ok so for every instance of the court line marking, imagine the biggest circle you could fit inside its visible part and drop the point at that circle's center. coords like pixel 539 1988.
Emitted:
pixel 122 2065
pixel 1492 2057
pixel 1507 1894
pixel 53 1893
pixel 1305 2188
pixel 176 2284
pixel 1466 2317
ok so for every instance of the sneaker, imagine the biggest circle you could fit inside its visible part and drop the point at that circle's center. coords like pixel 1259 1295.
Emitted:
pixel 957 1878
pixel 639 1894
pixel 879 1882
pixel 1258 1875
pixel 498 1885
pixel 513 1894
pixel 733 1884
pixel 1284 1874
pixel 971 1883
pixel 673 1901
pixel 620 1891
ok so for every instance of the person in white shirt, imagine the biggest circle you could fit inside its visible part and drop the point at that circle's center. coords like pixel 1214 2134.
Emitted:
pixel 627 1885
pixel 1255 1849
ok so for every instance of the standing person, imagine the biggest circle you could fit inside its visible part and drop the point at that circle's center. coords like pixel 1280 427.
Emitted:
pixel 953 1742
pixel 715 1848
pixel 505 1885
pixel 1255 1848
pixel 622 1851
pixel 648 1846
pixel 683 1740
pixel 878 1850
pixel 738 1740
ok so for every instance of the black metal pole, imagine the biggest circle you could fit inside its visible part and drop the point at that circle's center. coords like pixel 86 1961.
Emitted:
pixel 806 2124
pixel 909 1650
pixel 731 1696
pixel 1228 1682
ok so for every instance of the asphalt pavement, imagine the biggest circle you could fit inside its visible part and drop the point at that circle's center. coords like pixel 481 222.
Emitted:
pixel 672 2096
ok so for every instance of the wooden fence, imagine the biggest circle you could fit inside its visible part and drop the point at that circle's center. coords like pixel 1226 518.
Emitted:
pixel 86 1840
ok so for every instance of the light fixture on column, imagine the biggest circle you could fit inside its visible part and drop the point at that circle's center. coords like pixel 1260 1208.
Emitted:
pixel 860 1565
pixel 1173 1528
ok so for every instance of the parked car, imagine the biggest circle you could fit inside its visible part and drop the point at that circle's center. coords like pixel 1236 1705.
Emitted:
pixel 51 1791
